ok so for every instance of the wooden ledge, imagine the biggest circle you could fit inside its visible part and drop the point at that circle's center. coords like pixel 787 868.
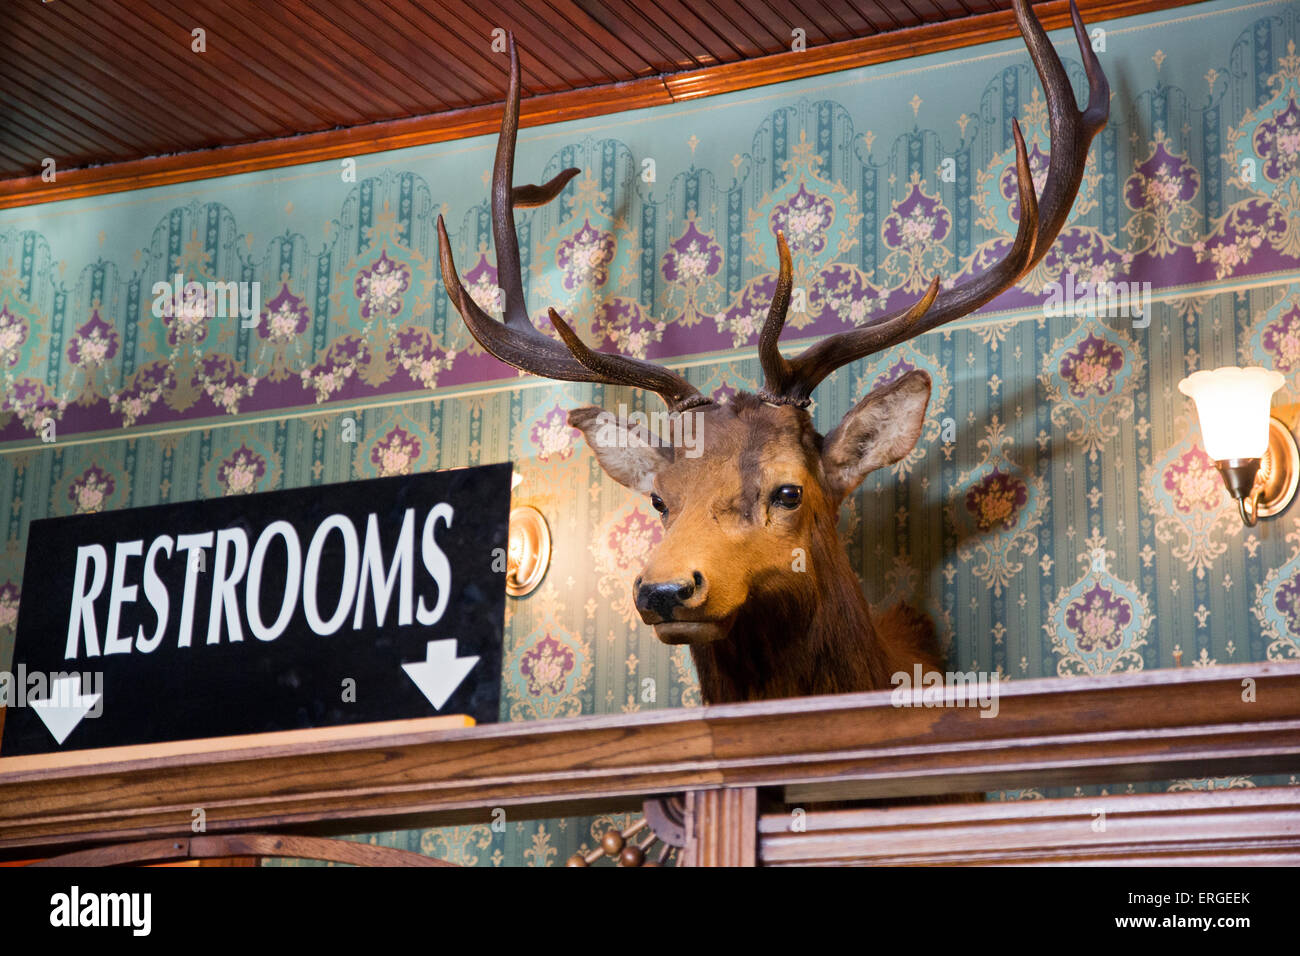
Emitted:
pixel 1215 827
pixel 1097 730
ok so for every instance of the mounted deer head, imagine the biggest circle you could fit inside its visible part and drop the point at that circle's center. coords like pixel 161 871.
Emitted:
pixel 750 572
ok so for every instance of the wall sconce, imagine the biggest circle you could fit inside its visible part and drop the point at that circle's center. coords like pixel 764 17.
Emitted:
pixel 528 551
pixel 1255 453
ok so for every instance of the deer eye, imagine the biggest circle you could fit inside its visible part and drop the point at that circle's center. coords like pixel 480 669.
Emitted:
pixel 787 496
pixel 658 504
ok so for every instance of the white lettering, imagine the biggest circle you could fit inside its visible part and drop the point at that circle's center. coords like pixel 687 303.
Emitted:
pixel 350 561
pixel 293 576
pixel 436 563
pixel 82 615
pixel 119 594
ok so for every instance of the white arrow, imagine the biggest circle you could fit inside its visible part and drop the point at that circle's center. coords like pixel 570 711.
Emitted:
pixel 64 708
pixel 441 672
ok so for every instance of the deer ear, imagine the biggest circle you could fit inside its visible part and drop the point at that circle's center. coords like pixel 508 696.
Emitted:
pixel 626 452
pixel 880 430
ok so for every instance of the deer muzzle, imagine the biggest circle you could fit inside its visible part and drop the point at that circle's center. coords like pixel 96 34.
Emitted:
pixel 660 601
pixel 675 606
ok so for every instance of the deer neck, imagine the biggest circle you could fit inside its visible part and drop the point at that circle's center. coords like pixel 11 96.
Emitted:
pixel 797 643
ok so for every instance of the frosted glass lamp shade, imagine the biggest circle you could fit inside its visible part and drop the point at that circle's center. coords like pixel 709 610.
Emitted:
pixel 1233 406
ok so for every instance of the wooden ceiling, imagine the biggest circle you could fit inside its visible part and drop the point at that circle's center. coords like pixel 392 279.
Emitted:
pixel 93 82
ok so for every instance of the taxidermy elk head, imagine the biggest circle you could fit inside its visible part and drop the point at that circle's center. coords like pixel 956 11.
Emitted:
pixel 750 572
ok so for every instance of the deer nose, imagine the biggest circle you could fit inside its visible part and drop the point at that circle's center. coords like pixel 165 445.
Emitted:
pixel 659 600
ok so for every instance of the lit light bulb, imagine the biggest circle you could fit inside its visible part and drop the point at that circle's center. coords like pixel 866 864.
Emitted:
pixel 1233 407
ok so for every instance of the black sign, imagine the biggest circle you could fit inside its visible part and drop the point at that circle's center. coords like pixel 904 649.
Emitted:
pixel 334 604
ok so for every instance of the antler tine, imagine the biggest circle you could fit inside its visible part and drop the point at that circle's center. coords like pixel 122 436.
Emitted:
pixel 527 350
pixel 621 370
pixel 517 341
pixel 1072 132
pixel 777 371
pixel 791 383
pixel 933 309
pixel 504 198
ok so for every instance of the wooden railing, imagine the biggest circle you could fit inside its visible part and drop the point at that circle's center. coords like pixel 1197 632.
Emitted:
pixel 1156 725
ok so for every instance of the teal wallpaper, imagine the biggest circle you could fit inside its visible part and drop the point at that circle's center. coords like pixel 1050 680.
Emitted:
pixel 1057 517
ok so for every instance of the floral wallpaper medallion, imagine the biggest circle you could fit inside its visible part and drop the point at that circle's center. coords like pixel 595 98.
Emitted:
pixel 820 219
pixel 915 232
pixel 381 292
pixel 804 217
pixel 546 671
pixel 381 287
pixel 285 317
pixel 995 508
pixel 1089 376
pixel 91 350
pixel 89 490
pixel 1193 513
pixel 1097 623
pixel 243 463
pixel 690 267
pixel 92 483
pixel 550 437
pixel 584 257
pixel 241 471
pixel 1160 193
pixel 395 452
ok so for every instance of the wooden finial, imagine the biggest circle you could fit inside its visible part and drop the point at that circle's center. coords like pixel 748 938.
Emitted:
pixel 612 842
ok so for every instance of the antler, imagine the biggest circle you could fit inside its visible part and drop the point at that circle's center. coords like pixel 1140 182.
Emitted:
pixel 517 341
pixel 791 382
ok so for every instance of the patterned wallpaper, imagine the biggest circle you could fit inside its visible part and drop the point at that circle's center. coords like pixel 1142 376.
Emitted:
pixel 1057 517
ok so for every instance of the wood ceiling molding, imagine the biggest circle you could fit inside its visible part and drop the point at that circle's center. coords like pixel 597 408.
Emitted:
pixel 112 91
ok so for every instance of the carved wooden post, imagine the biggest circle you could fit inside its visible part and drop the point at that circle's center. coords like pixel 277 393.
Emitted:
pixel 721 828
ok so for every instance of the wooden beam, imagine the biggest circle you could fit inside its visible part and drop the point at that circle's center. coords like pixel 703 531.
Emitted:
pixel 553 108
pixel 244 847
pixel 1217 827
pixel 1144 726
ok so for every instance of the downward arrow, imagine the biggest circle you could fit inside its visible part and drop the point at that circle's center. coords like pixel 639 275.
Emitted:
pixel 64 708
pixel 441 672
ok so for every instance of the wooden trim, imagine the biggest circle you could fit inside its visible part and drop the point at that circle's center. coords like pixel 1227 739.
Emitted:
pixel 555 107
pixel 1073 731
pixel 721 827
pixel 1243 827
pixel 276 740
pixel 244 847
